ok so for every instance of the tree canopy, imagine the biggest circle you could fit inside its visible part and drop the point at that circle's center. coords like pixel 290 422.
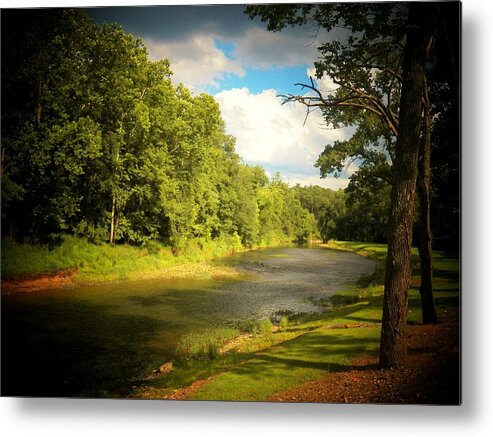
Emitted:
pixel 97 142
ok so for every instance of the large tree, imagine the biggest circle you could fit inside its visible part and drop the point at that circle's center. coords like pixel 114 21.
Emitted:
pixel 398 265
pixel 364 60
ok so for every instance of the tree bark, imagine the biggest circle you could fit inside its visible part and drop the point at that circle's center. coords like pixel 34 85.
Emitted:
pixel 398 267
pixel 429 314
pixel 113 219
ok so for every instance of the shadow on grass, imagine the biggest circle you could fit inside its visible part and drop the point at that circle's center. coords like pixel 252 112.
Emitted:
pixel 451 276
pixel 445 302
pixel 364 319
pixel 327 352
pixel 337 313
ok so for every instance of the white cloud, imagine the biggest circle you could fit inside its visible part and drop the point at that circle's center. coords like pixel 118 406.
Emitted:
pixel 274 136
pixel 196 62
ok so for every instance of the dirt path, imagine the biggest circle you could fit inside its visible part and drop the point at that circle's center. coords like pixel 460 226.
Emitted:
pixel 430 376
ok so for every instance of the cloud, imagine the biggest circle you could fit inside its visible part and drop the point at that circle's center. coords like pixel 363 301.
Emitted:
pixel 274 135
pixel 196 62
pixel 259 48
pixel 325 84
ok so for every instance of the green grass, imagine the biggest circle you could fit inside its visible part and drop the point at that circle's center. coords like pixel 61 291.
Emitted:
pixel 315 345
pixel 107 263
pixel 206 344
pixel 293 362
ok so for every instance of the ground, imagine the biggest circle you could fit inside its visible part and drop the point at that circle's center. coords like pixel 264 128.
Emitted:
pixel 68 277
pixel 430 375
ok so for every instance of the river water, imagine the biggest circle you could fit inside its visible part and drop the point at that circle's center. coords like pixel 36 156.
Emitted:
pixel 85 341
pixel 290 280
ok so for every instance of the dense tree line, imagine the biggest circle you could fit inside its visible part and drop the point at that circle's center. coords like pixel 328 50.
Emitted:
pixel 98 143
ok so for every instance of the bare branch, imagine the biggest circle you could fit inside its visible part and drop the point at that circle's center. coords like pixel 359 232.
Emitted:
pixel 354 100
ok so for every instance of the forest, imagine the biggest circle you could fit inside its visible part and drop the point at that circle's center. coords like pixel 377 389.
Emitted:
pixel 98 143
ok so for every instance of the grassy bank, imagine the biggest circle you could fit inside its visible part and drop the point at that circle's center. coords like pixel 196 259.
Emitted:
pixel 92 263
pixel 260 366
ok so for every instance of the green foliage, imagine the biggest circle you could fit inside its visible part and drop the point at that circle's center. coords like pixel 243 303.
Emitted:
pixel 103 262
pixel 206 344
pixel 99 144
pixel 283 323
pixel 265 327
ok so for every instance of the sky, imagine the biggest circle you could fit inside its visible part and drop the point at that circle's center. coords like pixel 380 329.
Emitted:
pixel 220 51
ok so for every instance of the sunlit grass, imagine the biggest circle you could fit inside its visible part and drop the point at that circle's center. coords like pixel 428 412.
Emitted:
pixel 106 263
pixel 293 362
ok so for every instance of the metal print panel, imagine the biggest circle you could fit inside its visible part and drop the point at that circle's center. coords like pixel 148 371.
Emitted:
pixel 235 202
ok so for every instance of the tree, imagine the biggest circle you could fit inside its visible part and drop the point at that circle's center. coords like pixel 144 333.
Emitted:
pixel 329 209
pixel 398 265
pixel 364 63
pixel 47 143
pixel 368 207
pixel 366 67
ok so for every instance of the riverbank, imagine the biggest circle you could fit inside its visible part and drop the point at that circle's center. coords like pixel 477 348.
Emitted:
pixel 69 278
pixel 74 261
pixel 333 356
pixel 102 340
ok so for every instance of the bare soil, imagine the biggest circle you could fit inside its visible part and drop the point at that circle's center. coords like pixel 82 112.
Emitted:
pixel 431 374
pixel 30 284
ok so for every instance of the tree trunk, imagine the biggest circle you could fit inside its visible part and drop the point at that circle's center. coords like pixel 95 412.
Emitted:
pixel 398 267
pixel 113 220
pixel 424 227
pixel 113 200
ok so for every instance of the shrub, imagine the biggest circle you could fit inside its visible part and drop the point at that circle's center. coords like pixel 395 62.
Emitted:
pixel 265 327
pixel 283 323
pixel 205 344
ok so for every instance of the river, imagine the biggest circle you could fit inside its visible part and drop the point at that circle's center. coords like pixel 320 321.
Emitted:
pixel 86 341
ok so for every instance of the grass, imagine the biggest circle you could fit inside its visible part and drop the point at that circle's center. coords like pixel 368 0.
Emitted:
pixel 108 263
pixel 205 344
pixel 310 347
pixel 256 368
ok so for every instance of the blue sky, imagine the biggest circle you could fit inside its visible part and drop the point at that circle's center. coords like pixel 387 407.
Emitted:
pixel 219 50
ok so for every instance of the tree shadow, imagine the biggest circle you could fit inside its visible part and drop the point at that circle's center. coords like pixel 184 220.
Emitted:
pixel 452 276
pixel 364 319
pixel 330 349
